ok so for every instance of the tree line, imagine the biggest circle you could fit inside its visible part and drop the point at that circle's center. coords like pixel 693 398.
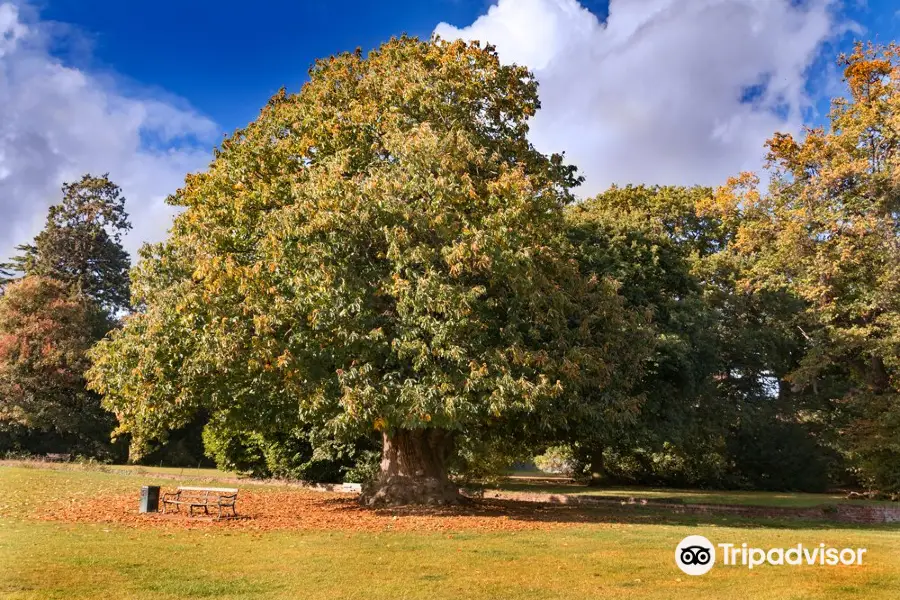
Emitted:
pixel 380 278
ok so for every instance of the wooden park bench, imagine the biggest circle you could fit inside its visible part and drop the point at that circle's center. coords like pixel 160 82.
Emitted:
pixel 201 497
pixel 57 457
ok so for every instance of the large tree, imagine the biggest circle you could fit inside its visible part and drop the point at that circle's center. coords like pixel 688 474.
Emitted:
pixel 81 243
pixel 828 231
pixel 383 251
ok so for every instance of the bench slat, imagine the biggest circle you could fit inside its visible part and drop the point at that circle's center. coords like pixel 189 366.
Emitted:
pixel 196 503
pixel 203 489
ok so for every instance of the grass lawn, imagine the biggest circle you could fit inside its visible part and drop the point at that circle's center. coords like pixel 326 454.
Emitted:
pixel 616 556
pixel 184 471
pixel 140 470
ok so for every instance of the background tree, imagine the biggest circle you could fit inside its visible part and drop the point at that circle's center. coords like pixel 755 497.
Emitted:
pixel 720 352
pixel 827 232
pixel 72 281
pixel 44 337
pixel 382 252
pixel 645 238
pixel 81 243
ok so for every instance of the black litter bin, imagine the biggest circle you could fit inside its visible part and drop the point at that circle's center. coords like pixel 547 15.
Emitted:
pixel 150 498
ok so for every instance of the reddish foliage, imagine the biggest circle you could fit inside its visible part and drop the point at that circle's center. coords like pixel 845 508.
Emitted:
pixel 44 337
pixel 301 509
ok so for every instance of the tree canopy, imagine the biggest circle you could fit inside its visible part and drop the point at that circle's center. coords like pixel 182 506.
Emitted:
pixel 383 251
pixel 828 231
pixel 647 239
pixel 719 354
pixel 60 295
pixel 81 243
pixel 45 334
pixel 384 260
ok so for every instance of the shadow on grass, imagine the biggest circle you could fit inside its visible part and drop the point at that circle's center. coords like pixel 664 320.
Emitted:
pixel 612 514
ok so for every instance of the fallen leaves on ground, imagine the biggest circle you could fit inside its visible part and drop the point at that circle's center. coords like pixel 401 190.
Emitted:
pixel 299 509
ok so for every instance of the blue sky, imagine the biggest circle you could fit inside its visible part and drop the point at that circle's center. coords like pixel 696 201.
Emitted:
pixel 226 57
pixel 654 91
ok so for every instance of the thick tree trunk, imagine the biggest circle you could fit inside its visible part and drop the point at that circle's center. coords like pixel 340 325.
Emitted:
pixel 598 473
pixel 413 470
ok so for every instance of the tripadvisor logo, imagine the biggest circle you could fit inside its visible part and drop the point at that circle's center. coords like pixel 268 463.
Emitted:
pixel 696 555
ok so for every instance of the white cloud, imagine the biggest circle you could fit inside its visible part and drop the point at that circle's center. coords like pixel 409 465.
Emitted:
pixel 58 122
pixel 658 93
pixel 652 95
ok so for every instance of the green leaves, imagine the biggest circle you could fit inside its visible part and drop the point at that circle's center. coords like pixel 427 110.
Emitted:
pixel 827 233
pixel 68 286
pixel 383 250
pixel 80 244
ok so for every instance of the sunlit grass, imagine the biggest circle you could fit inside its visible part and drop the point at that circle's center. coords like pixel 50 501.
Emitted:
pixel 198 472
pixel 40 560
